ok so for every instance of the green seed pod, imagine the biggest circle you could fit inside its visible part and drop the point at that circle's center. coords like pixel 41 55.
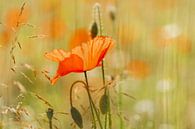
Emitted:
pixel 94 30
pixel 112 16
pixel 76 116
pixel 49 113
pixel 112 11
pixel 104 104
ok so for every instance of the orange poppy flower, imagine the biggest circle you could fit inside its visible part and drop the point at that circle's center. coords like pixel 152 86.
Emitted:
pixel 138 69
pixel 13 17
pixel 81 35
pixel 54 28
pixel 81 58
pixel 5 36
pixel 184 44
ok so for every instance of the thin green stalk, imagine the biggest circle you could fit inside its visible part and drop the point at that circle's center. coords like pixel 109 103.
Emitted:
pixel 107 116
pixel 86 87
pixel 92 105
pixel 50 116
pixel 103 75
pixel 109 112
pixel 120 107
pixel 97 115
pixel 106 92
pixel 100 21
pixel 92 110
pixel 105 124
pixel 50 124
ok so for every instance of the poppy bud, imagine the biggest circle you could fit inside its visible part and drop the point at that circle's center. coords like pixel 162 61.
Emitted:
pixel 76 116
pixel 104 104
pixel 49 113
pixel 112 10
pixel 94 30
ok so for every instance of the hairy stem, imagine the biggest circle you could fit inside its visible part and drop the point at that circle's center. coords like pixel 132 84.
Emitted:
pixel 91 101
pixel 91 107
pixel 50 124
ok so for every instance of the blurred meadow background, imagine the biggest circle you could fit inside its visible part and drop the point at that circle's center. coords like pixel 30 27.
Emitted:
pixel 150 68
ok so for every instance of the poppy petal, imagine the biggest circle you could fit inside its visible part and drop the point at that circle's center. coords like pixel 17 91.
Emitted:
pixel 97 51
pixel 54 79
pixel 82 58
pixel 93 51
pixel 57 55
pixel 106 44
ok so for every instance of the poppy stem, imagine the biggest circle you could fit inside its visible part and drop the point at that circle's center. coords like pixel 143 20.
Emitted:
pixel 92 105
pixel 109 112
pixel 120 107
pixel 71 88
pixel 75 12
pixel 105 124
pixel 50 116
pixel 103 73
pixel 90 99
pixel 105 92
pixel 50 124
pixel 99 19
pixel 86 87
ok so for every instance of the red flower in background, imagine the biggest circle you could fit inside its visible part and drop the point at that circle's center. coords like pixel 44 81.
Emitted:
pixel 54 28
pixel 12 20
pixel 5 36
pixel 139 69
pixel 80 35
pixel 13 17
pixel 81 58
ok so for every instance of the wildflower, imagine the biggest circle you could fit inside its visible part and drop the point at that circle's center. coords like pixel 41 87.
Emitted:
pixel 5 36
pixel 13 17
pixel 81 35
pixel 112 12
pixel 54 28
pixel 184 44
pixel 138 69
pixel 81 58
